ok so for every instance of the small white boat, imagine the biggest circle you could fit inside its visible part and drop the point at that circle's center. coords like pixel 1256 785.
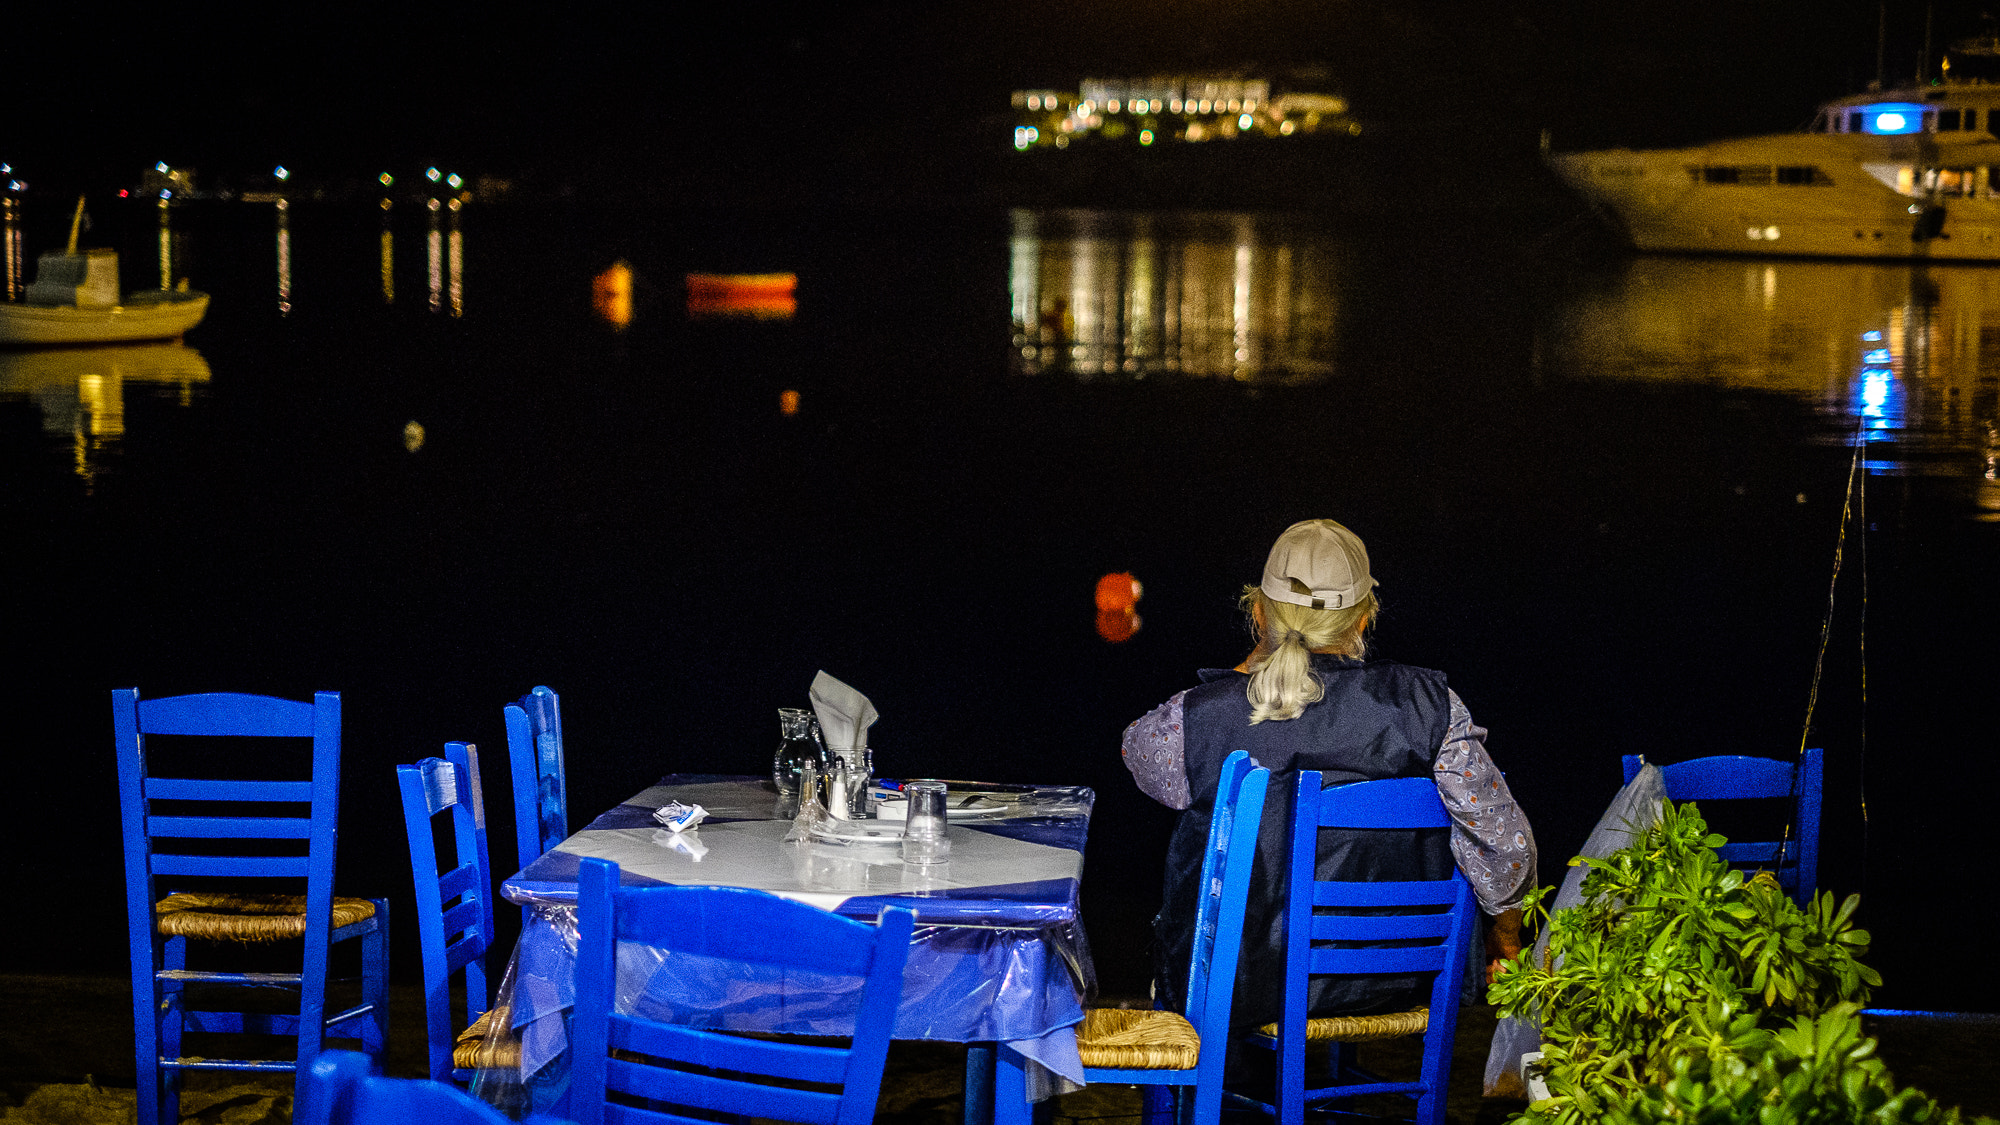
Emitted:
pixel 146 315
pixel 74 300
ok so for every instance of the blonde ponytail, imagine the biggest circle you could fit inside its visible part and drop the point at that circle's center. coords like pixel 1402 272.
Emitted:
pixel 1281 680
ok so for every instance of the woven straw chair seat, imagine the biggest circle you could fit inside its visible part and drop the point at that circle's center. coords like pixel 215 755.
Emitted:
pixel 474 1051
pixel 1361 1029
pixel 1132 1039
pixel 227 917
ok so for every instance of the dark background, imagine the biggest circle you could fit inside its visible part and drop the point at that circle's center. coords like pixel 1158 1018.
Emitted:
pixel 625 518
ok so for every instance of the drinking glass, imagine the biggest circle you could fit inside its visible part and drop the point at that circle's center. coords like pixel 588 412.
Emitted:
pixel 924 839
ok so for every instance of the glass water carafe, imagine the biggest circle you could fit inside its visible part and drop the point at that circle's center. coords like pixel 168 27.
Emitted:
pixel 798 748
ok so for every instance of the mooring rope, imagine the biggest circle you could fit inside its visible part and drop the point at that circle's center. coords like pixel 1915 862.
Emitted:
pixel 1854 504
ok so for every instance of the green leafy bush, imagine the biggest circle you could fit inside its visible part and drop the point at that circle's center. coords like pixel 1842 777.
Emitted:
pixel 1676 977
pixel 1816 1071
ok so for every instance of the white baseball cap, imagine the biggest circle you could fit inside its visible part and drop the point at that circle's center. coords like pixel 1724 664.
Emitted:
pixel 1320 564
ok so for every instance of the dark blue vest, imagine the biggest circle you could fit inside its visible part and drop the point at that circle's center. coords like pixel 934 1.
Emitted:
pixel 1376 720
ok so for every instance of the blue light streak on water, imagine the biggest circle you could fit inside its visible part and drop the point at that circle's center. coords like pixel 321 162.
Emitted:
pixel 1878 401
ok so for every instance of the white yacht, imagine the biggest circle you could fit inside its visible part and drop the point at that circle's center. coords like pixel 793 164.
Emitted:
pixel 1902 173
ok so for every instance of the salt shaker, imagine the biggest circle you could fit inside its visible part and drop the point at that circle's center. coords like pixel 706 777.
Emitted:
pixel 924 839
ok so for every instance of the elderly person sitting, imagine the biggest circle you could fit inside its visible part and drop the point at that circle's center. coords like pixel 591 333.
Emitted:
pixel 1305 699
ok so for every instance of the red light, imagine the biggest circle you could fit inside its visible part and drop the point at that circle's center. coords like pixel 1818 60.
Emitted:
pixel 122 193
pixel 1118 591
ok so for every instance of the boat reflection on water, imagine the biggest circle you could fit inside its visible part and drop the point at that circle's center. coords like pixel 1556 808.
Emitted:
pixel 1907 358
pixel 1241 297
pixel 81 391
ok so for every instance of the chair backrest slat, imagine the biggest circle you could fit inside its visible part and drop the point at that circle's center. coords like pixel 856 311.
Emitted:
pixel 202 789
pixel 232 866
pixel 799 1062
pixel 1400 802
pixel 227 714
pixel 681 1087
pixel 457 881
pixel 1420 959
pixel 759 931
pixel 1426 892
pixel 230 827
pixel 1380 927
pixel 719 921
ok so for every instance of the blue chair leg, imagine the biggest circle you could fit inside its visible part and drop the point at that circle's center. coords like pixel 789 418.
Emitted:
pixel 1160 1105
pixel 1292 1080
pixel 375 983
pixel 146 1030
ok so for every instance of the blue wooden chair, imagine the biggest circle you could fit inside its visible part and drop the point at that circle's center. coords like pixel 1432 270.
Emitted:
pixel 708 1071
pixel 1728 777
pixel 1172 1049
pixel 1316 943
pixel 454 909
pixel 345 1090
pixel 186 836
pixel 541 803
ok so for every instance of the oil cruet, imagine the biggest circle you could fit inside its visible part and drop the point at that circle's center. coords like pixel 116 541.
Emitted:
pixel 798 748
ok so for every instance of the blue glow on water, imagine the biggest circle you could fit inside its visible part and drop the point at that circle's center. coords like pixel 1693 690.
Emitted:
pixel 1871 335
pixel 1879 355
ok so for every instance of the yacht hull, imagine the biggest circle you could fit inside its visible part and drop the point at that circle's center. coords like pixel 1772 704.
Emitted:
pixel 1808 195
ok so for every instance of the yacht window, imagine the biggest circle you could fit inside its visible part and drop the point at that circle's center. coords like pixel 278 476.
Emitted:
pixel 1854 122
pixel 1947 120
pixel 1953 181
pixel 1803 174
pixel 1718 174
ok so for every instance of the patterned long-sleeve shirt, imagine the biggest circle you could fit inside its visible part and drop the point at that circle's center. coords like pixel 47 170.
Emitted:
pixel 1490 838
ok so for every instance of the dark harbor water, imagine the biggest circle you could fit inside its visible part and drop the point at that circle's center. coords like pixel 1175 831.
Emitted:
pixel 415 466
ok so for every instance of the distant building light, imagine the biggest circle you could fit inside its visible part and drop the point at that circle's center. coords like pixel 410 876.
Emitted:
pixel 432 174
pixel 1145 136
pixel 1287 128
pixel 1244 122
pixel 386 179
pixel 1174 105
pixel 1025 136
pixel 282 172
pixel 1034 101
pixel 1111 106
pixel 165 194
pixel 1086 107
pixel 1204 106
pixel 1249 104
pixel 161 167
pixel 1235 104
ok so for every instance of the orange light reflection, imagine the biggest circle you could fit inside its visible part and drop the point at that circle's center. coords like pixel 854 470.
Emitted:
pixel 611 295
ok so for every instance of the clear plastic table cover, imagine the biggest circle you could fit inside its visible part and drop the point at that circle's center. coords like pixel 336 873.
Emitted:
pixel 999 952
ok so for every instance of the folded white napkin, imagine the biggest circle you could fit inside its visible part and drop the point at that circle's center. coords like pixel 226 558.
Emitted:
pixel 844 714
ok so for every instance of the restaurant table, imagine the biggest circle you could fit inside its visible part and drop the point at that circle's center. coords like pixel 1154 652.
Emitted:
pixel 998 954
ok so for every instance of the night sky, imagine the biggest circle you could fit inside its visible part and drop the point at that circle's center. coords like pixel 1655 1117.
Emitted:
pixel 630 95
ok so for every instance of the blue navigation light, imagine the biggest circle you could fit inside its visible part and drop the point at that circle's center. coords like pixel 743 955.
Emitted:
pixel 1871 335
pixel 1892 118
pixel 1879 355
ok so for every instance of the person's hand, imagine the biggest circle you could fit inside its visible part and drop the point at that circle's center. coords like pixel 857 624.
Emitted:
pixel 1503 940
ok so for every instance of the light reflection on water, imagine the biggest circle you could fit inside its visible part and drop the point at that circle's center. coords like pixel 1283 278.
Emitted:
pixel 81 391
pixel 1906 357
pixel 1230 296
